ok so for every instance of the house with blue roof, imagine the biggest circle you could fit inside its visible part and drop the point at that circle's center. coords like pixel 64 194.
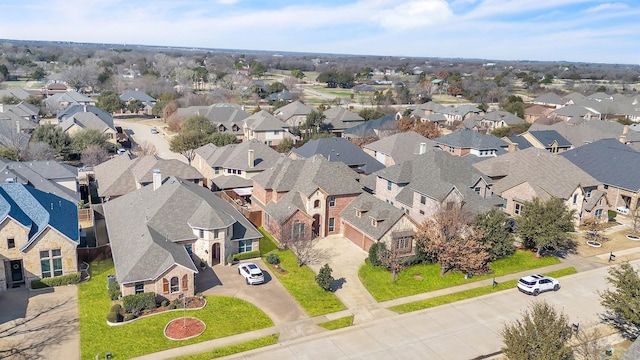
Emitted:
pixel 38 235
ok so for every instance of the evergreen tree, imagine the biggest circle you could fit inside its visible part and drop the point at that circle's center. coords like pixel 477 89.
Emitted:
pixel 621 302
pixel 324 278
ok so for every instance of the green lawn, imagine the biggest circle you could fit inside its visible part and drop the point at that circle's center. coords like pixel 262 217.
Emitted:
pixel 337 323
pixel 426 277
pixel 300 281
pixel 471 293
pixel 224 316
pixel 232 349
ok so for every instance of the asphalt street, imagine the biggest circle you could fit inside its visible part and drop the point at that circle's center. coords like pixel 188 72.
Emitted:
pixel 140 132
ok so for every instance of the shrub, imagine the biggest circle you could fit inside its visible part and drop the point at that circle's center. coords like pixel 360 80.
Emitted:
pixel 230 259
pixel 324 278
pixel 164 303
pixel 56 281
pixel 112 317
pixel 246 255
pixel 129 317
pixel 114 291
pixel 133 304
pixel 273 259
pixel 116 308
pixel 374 250
pixel 172 306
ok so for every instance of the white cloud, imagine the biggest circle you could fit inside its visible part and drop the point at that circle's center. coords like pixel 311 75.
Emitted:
pixel 228 2
pixel 607 7
pixel 414 14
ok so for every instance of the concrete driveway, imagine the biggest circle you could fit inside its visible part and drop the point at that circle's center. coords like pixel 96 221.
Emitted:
pixel 40 324
pixel 271 297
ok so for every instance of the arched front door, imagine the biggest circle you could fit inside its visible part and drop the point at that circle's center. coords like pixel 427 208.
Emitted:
pixel 215 254
pixel 315 226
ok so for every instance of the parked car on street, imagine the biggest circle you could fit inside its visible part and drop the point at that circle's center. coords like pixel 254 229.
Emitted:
pixel 535 284
pixel 154 130
pixel 251 273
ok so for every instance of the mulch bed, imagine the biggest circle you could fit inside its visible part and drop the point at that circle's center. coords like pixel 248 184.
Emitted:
pixel 176 329
pixel 192 303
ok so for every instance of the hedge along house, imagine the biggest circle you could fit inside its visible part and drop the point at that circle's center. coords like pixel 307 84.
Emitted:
pixel 159 235
pixel 38 235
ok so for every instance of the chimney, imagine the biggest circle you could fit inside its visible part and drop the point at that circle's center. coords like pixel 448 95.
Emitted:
pixel 625 130
pixel 85 107
pixel 251 159
pixel 18 126
pixel 623 139
pixel 157 179
pixel 423 148
pixel 513 147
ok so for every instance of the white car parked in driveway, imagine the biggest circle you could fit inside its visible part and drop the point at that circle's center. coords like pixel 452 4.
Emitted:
pixel 251 273
pixel 535 284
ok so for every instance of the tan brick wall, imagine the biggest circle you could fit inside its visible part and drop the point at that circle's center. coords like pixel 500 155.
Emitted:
pixel 615 197
pixel 334 211
pixel 261 194
pixel 157 286
pixel 523 191
pixel 201 165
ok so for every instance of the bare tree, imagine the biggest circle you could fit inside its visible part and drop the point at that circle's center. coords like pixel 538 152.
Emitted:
pixel 80 77
pixel 94 155
pixel 145 148
pixel 38 151
pixel 298 239
pixel 394 258
pixel 591 345
pixel 449 239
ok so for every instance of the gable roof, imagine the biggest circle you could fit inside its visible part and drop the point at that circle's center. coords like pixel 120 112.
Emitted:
pixel 582 131
pixel 86 120
pixel 550 175
pixel 339 149
pixel 339 118
pixel 467 138
pixel 549 98
pixel 548 137
pixel 295 108
pixel 41 175
pixel 38 210
pixel 609 161
pixel 264 121
pixel 369 128
pixel 235 156
pixel 144 227
pixel 401 146
pixel 372 208
pixel 495 116
pixel 14 92
pixel 123 173
pixel 137 95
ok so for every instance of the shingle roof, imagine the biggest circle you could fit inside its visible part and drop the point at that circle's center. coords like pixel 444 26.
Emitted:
pixel 86 120
pixel 339 150
pixel 263 121
pixel 235 156
pixel 522 142
pixel 549 174
pixel 144 225
pixel 386 214
pixel 293 109
pixel 38 210
pixel 496 116
pixel 121 174
pixel 548 137
pixel 573 111
pixel 467 138
pixel 587 131
pixel 339 118
pixel 549 98
pixel 368 128
pixel 14 92
pixel 41 175
pixel 610 161
pixel 137 95
pixel 401 146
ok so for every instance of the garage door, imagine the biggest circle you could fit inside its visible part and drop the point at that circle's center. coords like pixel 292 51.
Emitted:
pixel 355 236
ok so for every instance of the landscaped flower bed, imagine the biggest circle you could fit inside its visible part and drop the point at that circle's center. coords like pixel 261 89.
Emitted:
pixel 183 329
pixel 120 314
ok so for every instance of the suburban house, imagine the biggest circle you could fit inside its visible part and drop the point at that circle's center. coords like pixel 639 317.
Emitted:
pixel 521 176
pixel 147 101
pixel 232 166
pixel 492 120
pixel 338 119
pixel 226 118
pixel 18 93
pixel 532 113
pixel 337 149
pixel 22 118
pixel 420 186
pixel 549 100
pixel 293 114
pixel 85 120
pixel 575 113
pixel 377 128
pixel 398 147
pixel 549 140
pixel 303 199
pixel 368 220
pixel 38 235
pixel 126 173
pixel 48 176
pixel 616 166
pixel 468 142
pixel 421 111
pixel 581 132
pixel 161 234
pixel 266 128
pixel 61 101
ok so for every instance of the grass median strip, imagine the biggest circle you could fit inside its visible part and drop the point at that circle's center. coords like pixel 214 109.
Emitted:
pixel 423 278
pixel 232 349
pixel 471 293
pixel 300 281
pixel 337 323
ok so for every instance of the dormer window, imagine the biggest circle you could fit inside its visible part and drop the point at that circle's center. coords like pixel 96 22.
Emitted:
pixel 358 213
pixel 374 222
pixel 316 204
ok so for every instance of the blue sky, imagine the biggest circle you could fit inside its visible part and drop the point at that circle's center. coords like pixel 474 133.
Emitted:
pixel 570 30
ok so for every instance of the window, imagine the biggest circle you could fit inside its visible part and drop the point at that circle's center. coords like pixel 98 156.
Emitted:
pixel 588 193
pixel 11 243
pixel 332 201
pixel 201 233
pixel 403 244
pixel 449 205
pixel 518 209
pixel 452 149
pixel 216 170
pixel 216 233
pixel 421 212
pixel 276 132
pixel 374 222
pixel 139 288
pixel 575 199
pixel 389 183
pixel 598 213
pixel 316 204
pixel 477 190
pixel 267 218
pixel 407 211
pixel 600 202
pixel 298 230
pixel 606 187
pixel 358 213
pixel 332 224
pixel 239 172
pixel 51 263
pixel 504 203
pixel 245 246
pixel 423 199
pixel 175 286
pixel 189 249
